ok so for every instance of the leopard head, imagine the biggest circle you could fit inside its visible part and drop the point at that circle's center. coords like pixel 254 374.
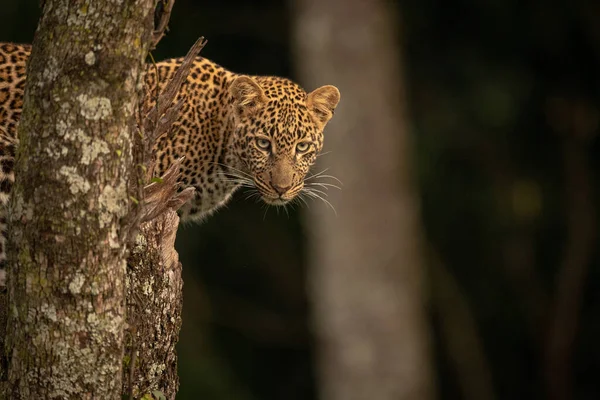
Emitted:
pixel 278 133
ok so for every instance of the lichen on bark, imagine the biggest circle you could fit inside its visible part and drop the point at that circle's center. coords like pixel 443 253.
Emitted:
pixel 66 284
pixel 154 293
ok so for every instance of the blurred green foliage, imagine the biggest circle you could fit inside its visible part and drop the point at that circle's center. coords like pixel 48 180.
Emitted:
pixel 497 90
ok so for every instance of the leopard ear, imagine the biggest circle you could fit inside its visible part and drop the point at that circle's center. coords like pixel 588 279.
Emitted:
pixel 322 102
pixel 248 96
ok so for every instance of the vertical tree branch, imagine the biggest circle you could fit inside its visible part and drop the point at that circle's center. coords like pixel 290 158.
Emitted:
pixel 579 249
pixel 460 334
pixel 577 122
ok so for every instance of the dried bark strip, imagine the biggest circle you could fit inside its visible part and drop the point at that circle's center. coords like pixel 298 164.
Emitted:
pixel 161 20
pixel 67 278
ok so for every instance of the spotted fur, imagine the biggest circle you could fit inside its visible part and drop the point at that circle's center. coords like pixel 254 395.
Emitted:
pixel 262 132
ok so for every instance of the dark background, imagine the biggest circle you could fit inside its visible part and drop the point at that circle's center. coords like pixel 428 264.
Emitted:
pixel 504 109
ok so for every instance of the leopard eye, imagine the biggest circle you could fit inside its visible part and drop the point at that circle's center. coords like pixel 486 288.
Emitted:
pixel 263 144
pixel 302 147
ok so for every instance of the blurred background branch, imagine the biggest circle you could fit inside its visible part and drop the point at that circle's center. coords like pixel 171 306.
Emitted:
pixel 366 277
pixel 459 334
pixel 577 123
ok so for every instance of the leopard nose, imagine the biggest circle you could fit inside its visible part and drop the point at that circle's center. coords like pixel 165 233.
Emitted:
pixel 280 189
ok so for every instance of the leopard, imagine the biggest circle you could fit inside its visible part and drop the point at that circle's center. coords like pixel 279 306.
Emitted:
pixel 262 133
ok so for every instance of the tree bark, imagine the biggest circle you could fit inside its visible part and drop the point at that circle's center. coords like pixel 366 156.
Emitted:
pixel 366 276
pixel 154 295
pixel 74 169
pixel 154 310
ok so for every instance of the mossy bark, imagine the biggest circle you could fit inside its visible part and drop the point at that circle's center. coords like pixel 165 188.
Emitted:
pixel 74 169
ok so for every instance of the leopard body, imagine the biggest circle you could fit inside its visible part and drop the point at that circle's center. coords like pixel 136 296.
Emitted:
pixel 262 132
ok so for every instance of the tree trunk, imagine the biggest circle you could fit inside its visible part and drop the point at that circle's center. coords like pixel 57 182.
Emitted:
pixel 367 271
pixel 71 197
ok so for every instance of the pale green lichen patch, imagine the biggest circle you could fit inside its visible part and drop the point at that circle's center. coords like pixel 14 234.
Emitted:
pixel 147 286
pixel 76 283
pixel 90 58
pixel 94 108
pixel 61 128
pixel 79 16
pixel 66 380
pixel 49 311
pixel 50 72
pixel 92 319
pixel 77 183
pixel 91 148
pixel 113 202
pixel 94 288
pixel 55 151
pixel 140 240
pixel 155 370
pixel 53 336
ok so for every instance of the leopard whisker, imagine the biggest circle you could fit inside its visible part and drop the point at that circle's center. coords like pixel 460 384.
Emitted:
pixel 238 180
pixel 300 198
pixel 329 177
pixel 234 173
pixel 266 207
pixel 323 185
pixel 311 193
pixel 283 206
pixel 249 185
pixel 317 174
pixel 324 193
pixel 239 171
pixel 235 178
pixel 253 194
